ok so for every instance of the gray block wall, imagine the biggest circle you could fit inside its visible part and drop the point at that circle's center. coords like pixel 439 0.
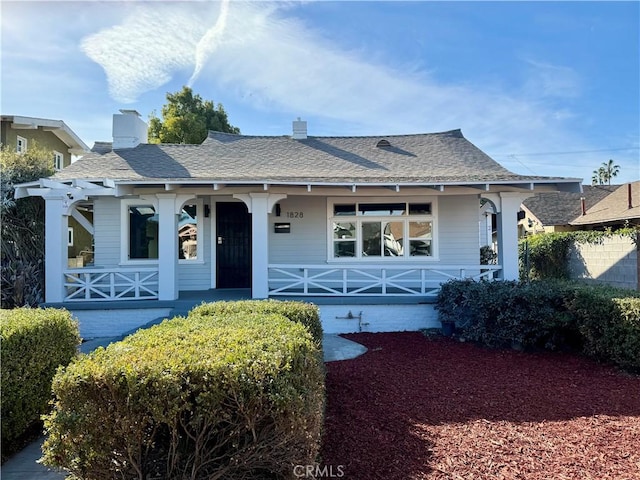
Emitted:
pixel 614 262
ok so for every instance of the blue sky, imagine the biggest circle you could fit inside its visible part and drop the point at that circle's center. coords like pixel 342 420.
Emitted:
pixel 545 88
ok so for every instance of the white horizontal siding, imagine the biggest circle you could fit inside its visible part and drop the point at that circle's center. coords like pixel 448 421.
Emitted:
pixel 307 242
pixel 458 229
pixel 107 226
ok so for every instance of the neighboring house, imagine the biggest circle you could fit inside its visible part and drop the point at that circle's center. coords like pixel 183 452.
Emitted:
pixel 19 132
pixel 386 217
pixel 619 208
pixel 555 211
pixel 616 259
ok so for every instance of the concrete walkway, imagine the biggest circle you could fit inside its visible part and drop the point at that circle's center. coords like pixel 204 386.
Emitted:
pixel 24 466
pixel 337 348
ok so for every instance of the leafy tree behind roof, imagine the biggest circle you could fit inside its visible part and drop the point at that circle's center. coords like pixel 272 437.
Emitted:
pixel 187 118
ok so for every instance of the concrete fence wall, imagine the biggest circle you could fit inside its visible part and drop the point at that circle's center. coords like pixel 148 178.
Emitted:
pixel 614 262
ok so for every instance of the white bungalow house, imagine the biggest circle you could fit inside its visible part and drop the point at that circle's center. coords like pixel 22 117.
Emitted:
pixel 367 227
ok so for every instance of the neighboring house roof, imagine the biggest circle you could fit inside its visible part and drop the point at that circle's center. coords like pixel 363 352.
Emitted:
pixel 57 127
pixel 560 208
pixel 445 157
pixel 615 207
pixel 102 147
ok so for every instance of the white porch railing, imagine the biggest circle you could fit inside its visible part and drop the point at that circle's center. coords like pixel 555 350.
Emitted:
pixel 96 284
pixel 369 280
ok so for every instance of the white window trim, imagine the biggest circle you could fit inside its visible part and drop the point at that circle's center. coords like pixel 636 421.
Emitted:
pixel 124 230
pixel 20 140
pixel 58 156
pixel 69 236
pixel 199 260
pixel 433 218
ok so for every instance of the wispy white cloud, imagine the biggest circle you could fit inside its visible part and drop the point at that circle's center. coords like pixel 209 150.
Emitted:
pixel 274 61
pixel 547 80
pixel 208 43
pixel 268 59
pixel 152 43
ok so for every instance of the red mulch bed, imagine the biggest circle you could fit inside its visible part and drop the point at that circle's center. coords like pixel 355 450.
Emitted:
pixel 419 408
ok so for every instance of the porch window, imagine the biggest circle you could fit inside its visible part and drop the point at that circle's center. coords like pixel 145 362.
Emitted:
pixel 188 233
pixel 143 232
pixel 382 230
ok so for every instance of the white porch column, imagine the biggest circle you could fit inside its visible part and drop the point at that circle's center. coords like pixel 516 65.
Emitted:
pixel 508 233
pixel 167 247
pixel 259 245
pixel 55 247
pixel 260 206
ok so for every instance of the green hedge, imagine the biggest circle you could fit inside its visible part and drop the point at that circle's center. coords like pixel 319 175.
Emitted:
pixel 601 322
pixel 304 313
pixel 34 342
pixel 208 396
pixel 609 323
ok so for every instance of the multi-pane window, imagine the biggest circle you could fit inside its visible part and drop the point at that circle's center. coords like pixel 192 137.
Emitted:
pixel 58 160
pixel 21 144
pixel 188 233
pixel 143 232
pixel 368 230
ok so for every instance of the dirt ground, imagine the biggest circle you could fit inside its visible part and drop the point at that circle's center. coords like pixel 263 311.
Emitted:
pixel 420 408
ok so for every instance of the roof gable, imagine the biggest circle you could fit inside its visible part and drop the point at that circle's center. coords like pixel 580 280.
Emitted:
pixel 57 127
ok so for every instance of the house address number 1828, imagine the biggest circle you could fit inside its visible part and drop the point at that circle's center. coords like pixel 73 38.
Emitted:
pixel 294 214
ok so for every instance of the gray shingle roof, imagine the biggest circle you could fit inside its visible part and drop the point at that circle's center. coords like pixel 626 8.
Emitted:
pixel 614 208
pixel 560 208
pixel 424 158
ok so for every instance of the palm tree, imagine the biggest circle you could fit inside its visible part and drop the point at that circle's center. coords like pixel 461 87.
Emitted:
pixel 598 177
pixel 605 173
pixel 610 170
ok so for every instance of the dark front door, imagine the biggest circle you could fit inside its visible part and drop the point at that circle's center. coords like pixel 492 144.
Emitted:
pixel 233 245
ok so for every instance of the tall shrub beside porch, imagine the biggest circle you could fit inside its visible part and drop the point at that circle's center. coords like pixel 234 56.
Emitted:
pixel 598 321
pixel 35 342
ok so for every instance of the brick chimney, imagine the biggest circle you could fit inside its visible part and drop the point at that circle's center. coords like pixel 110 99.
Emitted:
pixel 299 129
pixel 129 130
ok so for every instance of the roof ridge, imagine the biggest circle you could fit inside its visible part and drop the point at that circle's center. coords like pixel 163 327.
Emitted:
pixel 455 133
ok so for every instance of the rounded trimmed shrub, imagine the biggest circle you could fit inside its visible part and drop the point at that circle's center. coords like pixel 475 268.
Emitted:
pixel 305 313
pixel 204 397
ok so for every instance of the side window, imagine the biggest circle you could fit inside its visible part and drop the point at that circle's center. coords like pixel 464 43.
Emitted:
pixel 58 160
pixel 21 144
pixel 143 232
